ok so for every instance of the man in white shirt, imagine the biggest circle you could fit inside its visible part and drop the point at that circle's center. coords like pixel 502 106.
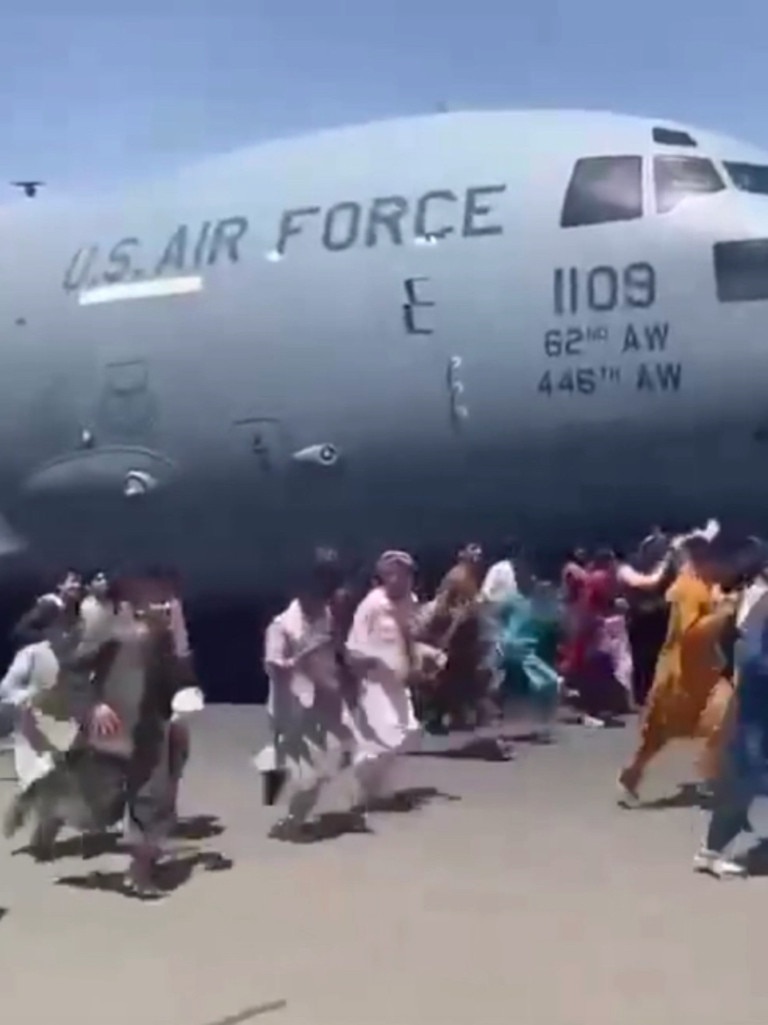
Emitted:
pixel 312 725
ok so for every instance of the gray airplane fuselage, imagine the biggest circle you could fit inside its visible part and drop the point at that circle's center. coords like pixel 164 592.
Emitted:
pixel 411 333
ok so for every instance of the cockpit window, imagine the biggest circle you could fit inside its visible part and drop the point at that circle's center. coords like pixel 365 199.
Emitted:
pixel 603 189
pixel 748 177
pixel 679 178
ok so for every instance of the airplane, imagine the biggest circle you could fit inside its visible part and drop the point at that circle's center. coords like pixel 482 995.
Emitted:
pixel 412 332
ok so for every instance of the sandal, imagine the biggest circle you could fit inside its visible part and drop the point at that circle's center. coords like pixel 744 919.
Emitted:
pixel 138 881
pixel 144 889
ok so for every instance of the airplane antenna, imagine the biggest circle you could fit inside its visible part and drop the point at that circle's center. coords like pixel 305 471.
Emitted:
pixel 29 188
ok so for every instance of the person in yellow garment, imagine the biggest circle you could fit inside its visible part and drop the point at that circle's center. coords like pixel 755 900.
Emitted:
pixel 689 695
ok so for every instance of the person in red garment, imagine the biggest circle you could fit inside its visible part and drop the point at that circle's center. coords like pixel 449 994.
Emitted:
pixel 595 659
pixel 573 575
pixel 572 580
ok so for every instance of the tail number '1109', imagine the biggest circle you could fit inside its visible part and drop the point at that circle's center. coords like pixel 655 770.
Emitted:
pixel 603 288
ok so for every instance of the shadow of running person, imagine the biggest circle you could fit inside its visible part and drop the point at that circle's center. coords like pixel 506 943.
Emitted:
pixel 688 795
pixel 198 827
pixel 411 799
pixel 170 875
pixel 756 858
pixel 479 749
pixel 85 846
pixel 88 846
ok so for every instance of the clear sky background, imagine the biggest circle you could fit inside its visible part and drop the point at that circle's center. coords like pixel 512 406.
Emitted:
pixel 89 97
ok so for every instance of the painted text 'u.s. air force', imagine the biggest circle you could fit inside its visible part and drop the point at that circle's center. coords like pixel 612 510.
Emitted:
pixel 188 249
pixel 394 219
pixel 383 220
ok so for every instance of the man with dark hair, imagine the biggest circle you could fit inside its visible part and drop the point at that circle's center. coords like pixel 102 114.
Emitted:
pixel 311 722
pixel 159 587
pixel 63 604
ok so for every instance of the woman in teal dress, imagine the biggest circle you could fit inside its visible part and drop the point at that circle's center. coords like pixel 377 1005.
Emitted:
pixel 526 620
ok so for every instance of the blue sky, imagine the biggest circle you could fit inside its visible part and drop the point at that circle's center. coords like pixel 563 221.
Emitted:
pixel 88 97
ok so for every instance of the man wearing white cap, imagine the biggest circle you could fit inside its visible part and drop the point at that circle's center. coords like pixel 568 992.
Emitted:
pixel 381 646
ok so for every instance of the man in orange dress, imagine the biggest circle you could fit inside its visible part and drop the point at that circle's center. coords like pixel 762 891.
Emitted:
pixel 689 695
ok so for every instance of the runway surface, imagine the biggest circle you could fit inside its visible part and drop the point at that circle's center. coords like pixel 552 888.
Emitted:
pixel 511 893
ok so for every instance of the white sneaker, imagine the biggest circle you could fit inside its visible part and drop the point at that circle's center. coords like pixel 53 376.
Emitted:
pixel 626 797
pixel 593 722
pixel 715 864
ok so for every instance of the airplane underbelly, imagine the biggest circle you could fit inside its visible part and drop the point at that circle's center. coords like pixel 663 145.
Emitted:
pixel 591 484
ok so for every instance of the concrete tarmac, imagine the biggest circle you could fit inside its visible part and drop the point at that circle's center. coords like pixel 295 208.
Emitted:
pixel 508 893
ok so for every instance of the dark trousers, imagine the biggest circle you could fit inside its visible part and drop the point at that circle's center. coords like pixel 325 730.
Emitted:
pixel 726 824
pixel 741 780
pixel 150 794
pixel 647 631
pixel 730 813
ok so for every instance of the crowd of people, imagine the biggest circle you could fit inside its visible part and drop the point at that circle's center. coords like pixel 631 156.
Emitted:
pixel 677 633
pixel 103 680
pixel 97 686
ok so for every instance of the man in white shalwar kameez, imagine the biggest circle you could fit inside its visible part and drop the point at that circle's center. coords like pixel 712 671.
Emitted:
pixel 50 630
pixel 312 725
pixel 381 644
pixel 49 684
pixel 32 674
